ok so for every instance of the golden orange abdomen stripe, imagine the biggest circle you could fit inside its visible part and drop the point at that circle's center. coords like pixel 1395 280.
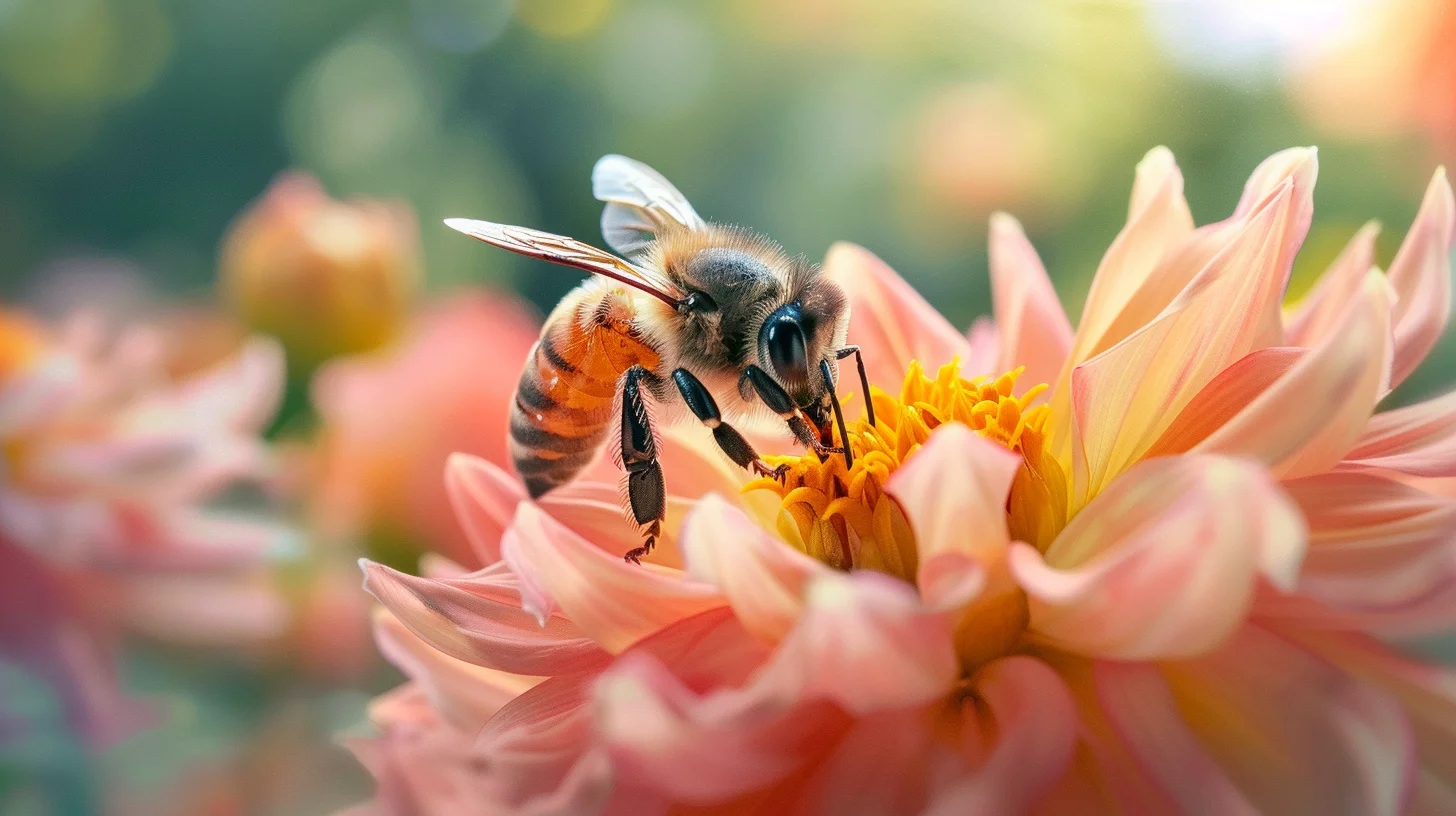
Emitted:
pixel 563 405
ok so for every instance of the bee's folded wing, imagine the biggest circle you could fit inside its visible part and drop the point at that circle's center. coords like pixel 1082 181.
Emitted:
pixel 570 252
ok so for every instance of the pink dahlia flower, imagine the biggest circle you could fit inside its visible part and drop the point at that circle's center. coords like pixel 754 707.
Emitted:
pixel 1160 583
pixel 107 472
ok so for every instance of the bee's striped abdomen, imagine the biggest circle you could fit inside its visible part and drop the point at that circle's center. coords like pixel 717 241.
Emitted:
pixel 563 404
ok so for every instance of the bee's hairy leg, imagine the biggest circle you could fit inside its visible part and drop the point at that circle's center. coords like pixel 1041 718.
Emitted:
pixel 646 492
pixel 779 401
pixel 705 408
pixel 864 380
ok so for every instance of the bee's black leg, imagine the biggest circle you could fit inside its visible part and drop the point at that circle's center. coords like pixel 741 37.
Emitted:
pixel 779 401
pixel 646 492
pixel 705 408
pixel 864 380
pixel 838 414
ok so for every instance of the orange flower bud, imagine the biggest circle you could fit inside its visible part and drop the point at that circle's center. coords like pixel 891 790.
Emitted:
pixel 326 277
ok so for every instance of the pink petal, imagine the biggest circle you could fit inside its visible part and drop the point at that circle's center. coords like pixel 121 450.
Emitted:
pixel 1125 398
pixel 1140 706
pixel 1224 397
pixel 1426 692
pixel 479 619
pixel 704 750
pixel 613 601
pixel 1164 563
pixel 953 492
pixel 1036 726
pixel 1034 329
pixel 1305 421
pixel 465 694
pixel 1157 220
pixel 866 643
pixel 666 737
pixel 1419 440
pixel 202 609
pixel 1300 166
pixel 1317 315
pixel 882 763
pixel 1294 732
pixel 484 497
pixel 532 744
pixel 242 393
pixel 763 578
pixel 1380 552
pixel 985 354
pixel 1421 277
pixel 889 318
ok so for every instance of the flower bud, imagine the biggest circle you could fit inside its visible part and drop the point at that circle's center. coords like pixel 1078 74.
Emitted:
pixel 326 277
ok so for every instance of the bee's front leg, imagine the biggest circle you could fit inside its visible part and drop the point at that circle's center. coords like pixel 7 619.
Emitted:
pixel 646 492
pixel 700 401
pixel 779 401
pixel 864 380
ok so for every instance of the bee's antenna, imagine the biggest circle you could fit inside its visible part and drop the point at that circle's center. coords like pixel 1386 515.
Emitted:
pixel 838 415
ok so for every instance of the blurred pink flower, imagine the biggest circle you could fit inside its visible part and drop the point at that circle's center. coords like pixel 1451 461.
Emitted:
pixel 392 418
pixel 109 465
pixel 1159 585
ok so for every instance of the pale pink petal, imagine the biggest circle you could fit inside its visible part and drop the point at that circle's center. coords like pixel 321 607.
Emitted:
pixel 1125 398
pixel 613 601
pixel 1224 397
pixel 1300 166
pixel 889 319
pixel 1034 330
pixel 762 578
pixel 865 642
pixel 202 609
pixel 704 750
pixel 479 619
pixel 484 497
pixel 1320 311
pixel 1382 553
pixel 240 394
pixel 1158 220
pixel 532 744
pixel 1164 563
pixel 953 491
pixel 1293 732
pixel 882 763
pixel 1036 726
pixel 985 351
pixel 666 737
pixel 1419 440
pixel 1426 692
pixel 465 694
pixel 1305 421
pixel 1138 703
pixel 1421 277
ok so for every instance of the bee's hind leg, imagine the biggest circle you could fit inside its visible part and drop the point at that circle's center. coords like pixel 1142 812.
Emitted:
pixel 646 492
pixel 729 440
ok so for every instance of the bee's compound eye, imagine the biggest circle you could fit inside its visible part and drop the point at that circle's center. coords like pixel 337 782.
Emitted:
pixel 787 350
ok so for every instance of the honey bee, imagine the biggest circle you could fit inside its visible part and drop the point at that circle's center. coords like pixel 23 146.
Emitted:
pixel 691 310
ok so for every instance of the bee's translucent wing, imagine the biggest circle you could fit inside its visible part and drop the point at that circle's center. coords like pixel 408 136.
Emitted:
pixel 640 204
pixel 569 252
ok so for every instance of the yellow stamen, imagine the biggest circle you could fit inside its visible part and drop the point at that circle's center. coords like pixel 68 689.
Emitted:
pixel 843 517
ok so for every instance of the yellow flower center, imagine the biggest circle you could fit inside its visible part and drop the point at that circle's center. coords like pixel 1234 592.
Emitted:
pixel 843 516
